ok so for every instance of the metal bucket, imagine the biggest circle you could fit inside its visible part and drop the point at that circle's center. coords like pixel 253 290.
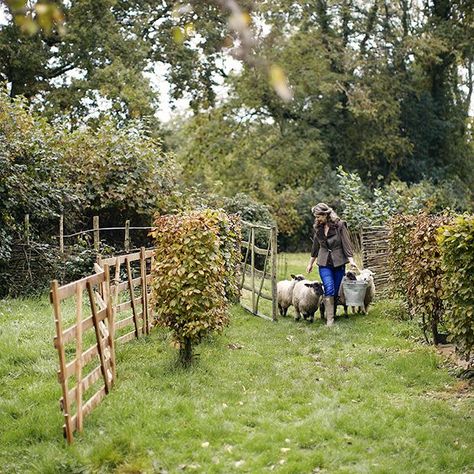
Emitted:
pixel 354 292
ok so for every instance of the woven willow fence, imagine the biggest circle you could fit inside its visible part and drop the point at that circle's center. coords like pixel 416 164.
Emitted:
pixel 375 252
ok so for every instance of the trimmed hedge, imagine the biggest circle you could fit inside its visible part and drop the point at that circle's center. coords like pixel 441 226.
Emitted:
pixel 400 228
pixel 194 274
pixel 423 266
pixel 457 249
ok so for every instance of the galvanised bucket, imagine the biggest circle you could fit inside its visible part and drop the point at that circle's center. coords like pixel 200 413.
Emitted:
pixel 354 292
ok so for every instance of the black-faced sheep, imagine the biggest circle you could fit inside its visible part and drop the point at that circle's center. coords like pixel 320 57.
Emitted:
pixel 285 293
pixel 306 298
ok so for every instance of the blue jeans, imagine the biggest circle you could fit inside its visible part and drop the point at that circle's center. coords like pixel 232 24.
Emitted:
pixel 331 278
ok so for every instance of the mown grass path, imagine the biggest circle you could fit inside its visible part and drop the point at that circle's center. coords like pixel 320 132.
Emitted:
pixel 264 397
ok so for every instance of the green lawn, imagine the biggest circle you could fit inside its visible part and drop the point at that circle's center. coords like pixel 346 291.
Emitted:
pixel 361 397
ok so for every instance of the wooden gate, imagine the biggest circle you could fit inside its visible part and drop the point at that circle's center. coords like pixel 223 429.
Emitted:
pixel 260 283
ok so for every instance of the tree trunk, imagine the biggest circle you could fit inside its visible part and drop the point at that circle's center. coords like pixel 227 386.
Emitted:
pixel 186 353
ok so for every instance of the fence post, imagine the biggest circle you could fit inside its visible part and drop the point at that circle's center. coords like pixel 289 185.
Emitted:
pixel 273 236
pixel 61 234
pixel 145 328
pixel 252 259
pixel 126 243
pixel 95 221
pixel 27 228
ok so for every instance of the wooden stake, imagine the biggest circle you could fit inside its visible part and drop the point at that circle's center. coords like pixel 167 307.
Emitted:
pixel 78 371
pixel 66 405
pixel 274 250
pixel 110 320
pixel 145 328
pixel 95 222
pixel 127 236
pixel 27 229
pixel 132 295
pixel 252 269
pixel 61 234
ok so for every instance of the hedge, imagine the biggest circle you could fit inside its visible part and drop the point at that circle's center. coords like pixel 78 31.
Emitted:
pixel 457 250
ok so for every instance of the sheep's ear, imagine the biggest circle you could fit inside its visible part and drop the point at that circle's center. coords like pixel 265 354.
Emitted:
pixel 309 285
pixel 293 276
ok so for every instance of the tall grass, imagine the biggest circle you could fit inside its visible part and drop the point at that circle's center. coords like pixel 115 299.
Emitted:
pixel 263 397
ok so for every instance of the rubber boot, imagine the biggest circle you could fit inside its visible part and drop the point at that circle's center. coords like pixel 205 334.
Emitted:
pixel 329 307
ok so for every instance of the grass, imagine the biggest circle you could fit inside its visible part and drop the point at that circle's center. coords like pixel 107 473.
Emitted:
pixel 361 397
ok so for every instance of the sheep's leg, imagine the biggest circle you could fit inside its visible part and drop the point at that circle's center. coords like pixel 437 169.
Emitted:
pixel 346 314
pixel 311 318
pixel 280 308
pixel 298 315
pixel 322 311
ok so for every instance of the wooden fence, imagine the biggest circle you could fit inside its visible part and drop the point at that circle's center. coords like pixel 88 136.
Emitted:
pixel 93 368
pixel 375 253
pixel 258 277
pixel 96 232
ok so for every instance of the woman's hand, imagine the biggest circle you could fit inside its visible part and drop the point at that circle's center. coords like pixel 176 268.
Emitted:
pixel 309 268
pixel 352 263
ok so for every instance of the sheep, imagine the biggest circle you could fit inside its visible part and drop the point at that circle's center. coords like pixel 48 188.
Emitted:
pixel 306 298
pixel 285 293
pixel 367 276
pixel 340 300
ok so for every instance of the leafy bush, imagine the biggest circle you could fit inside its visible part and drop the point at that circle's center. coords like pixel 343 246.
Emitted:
pixel 363 207
pixel 457 250
pixel 400 229
pixel 195 258
pixel 119 171
pixel 31 178
pixel 423 267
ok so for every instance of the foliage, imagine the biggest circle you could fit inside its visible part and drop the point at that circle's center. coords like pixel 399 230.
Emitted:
pixel 31 178
pixel 79 259
pixel 119 171
pixel 193 266
pixel 457 251
pixel 106 53
pixel 361 206
pixel 400 248
pixel 423 268
pixel 46 171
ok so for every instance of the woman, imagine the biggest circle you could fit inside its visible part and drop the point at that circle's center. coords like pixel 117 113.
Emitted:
pixel 333 249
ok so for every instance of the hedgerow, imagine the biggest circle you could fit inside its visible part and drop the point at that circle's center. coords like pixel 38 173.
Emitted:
pixel 400 228
pixel 457 250
pixel 423 266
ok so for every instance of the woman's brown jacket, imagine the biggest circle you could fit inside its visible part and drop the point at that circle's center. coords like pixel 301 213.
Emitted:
pixel 335 248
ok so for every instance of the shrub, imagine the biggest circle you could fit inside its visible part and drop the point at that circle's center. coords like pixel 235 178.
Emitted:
pixel 457 250
pixel 423 267
pixel 400 229
pixel 195 257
